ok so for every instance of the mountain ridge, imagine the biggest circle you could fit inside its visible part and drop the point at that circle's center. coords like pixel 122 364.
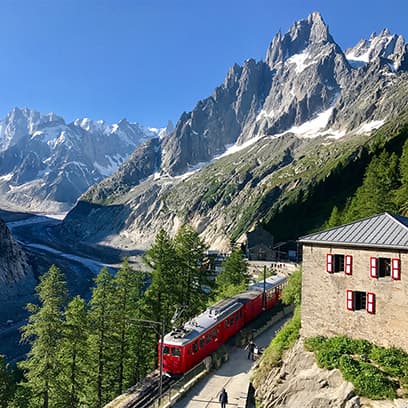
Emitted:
pixel 46 163
pixel 305 105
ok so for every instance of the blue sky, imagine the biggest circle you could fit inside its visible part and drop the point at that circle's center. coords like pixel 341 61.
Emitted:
pixel 150 60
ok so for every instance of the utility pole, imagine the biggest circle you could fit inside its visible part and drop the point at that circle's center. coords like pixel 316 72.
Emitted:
pixel 264 289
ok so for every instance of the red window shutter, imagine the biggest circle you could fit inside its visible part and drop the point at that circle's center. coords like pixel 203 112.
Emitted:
pixel 350 299
pixel 349 265
pixel 373 267
pixel 329 263
pixel 396 269
pixel 370 304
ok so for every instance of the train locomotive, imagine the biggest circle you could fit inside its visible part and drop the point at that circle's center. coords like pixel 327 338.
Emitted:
pixel 186 346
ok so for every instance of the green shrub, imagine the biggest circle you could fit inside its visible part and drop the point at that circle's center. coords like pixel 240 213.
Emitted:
pixel 392 360
pixel 330 352
pixel 314 343
pixel 366 366
pixel 374 383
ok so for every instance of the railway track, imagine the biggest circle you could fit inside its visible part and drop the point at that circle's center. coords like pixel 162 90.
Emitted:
pixel 149 391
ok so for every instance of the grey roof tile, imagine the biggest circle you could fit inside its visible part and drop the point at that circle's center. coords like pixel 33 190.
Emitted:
pixel 382 230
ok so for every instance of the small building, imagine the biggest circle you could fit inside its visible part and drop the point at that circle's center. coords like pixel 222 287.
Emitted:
pixel 259 246
pixel 355 281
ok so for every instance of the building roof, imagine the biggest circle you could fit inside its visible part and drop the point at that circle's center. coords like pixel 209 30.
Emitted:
pixel 382 230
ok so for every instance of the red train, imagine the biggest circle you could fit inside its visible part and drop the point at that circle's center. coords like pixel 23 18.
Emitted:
pixel 186 346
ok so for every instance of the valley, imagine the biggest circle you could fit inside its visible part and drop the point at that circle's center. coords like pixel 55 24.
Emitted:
pixel 35 233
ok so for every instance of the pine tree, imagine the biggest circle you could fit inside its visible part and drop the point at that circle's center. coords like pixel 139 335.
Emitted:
pixel 128 291
pixel 101 318
pixel 194 283
pixel 233 277
pixel 74 354
pixel 377 193
pixel 335 218
pixel 402 193
pixel 160 300
pixel 7 383
pixel 44 332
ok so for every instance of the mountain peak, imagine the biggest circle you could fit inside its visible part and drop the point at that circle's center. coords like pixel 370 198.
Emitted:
pixel 303 33
pixel 383 45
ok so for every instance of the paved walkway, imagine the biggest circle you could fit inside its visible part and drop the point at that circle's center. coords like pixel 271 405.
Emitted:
pixel 233 375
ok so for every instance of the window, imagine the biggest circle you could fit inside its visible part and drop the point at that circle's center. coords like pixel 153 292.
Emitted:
pixel 214 333
pixel 207 338
pixel 195 347
pixel 189 350
pixel 339 263
pixel 166 350
pixel 175 351
pixel 384 267
pixel 358 300
pixel 201 342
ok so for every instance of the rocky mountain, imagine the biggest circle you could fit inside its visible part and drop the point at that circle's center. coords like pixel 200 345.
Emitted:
pixel 46 164
pixel 16 276
pixel 391 48
pixel 273 133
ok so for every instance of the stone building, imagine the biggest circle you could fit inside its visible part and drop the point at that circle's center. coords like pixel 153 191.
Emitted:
pixel 355 281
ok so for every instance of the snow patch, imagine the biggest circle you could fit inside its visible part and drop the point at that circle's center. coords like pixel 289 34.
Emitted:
pixel 365 58
pixel 369 126
pixel 311 128
pixel 264 114
pixel 6 177
pixel 300 61
pixel 113 164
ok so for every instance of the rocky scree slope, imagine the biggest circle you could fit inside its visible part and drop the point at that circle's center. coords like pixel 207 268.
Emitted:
pixel 46 164
pixel 295 120
pixel 16 276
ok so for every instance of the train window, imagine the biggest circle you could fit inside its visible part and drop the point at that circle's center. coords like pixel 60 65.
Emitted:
pixel 207 338
pixel 226 324
pixel 214 333
pixel 195 347
pixel 166 350
pixel 236 316
pixel 175 352
pixel 201 342
pixel 240 313
pixel 231 320
pixel 189 350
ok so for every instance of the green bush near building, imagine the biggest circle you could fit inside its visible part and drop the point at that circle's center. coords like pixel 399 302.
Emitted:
pixel 375 372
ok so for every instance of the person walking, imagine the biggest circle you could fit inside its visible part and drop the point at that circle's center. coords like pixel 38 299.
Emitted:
pixel 251 349
pixel 223 398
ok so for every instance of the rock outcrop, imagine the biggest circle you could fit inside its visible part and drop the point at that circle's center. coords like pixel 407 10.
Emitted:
pixel 299 383
pixel 16 277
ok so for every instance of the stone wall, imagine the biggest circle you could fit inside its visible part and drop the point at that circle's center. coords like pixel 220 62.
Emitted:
pixel 324 310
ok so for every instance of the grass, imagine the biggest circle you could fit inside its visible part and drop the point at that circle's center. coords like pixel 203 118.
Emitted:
pixel 284 340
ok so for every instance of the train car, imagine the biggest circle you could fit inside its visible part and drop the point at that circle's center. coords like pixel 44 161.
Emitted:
pixel 186 346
